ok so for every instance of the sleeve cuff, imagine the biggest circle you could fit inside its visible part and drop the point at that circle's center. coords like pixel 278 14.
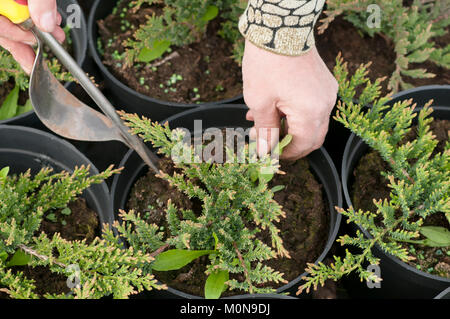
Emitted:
pixel 281 26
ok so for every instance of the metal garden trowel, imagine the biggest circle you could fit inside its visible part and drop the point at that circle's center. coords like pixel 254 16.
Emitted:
pixel 57 108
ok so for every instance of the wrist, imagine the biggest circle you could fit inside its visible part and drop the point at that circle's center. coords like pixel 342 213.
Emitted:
pixel 285 28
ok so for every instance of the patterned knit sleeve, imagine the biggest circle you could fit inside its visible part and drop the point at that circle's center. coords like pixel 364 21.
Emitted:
pixel 281 26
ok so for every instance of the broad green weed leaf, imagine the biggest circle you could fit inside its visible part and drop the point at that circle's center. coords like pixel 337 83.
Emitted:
pixel 9 106
pixel 19 259
pixel 211 13
pixel 158 49
pixel 4 173
pixel 438 235
pixel 215 284
pixel 177 258
pixel 25 108
pixel 282 144
pixel 277 188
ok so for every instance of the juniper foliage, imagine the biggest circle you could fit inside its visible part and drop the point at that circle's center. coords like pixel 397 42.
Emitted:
pixel 235 208
pixel 410 28
pixel 11 70
pixel 419 183
pixel 105 267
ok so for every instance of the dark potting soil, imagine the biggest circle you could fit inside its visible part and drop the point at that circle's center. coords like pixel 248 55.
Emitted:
pixel 304 230
pixel 82 223
pixel 369 184
pixel 357 48
pixel 342 37
pixel 208 73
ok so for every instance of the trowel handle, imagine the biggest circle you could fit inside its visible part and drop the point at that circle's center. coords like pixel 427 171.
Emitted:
pixel 15 10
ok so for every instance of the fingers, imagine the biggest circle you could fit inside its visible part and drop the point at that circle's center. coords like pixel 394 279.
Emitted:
pixel 266 131
pixel 249 116
pixel 14 39
pixel 59 34
pixel 13 32
pixel 44 14
pixel 21 52
pixel 306 137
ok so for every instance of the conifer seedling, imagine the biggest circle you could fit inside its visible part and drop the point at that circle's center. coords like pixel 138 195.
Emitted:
pixel 419 183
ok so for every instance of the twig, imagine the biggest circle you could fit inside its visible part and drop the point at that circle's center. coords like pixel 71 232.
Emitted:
pixel 159 250
pixel 171 56
pixel 42 257
pixel 10 70
pixel 243 265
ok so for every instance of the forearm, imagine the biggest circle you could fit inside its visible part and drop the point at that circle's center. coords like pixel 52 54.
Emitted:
pixel 281 26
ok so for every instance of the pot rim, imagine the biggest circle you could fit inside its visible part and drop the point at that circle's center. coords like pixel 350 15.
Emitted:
pixel 108 210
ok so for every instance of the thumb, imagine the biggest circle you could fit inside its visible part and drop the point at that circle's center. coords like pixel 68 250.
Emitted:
pixel 44 14
pixel 266 130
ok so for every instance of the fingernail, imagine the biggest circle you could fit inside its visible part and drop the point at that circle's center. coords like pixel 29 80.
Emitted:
pixel 59 19
pixel 263 148
pixel 30 43
pixel 48 21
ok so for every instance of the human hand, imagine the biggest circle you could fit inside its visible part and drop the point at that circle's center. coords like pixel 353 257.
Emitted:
pixel 18 42
pixel 301 88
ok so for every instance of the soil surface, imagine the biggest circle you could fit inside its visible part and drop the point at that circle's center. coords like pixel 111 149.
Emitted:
pixel 356 48
pixel 208 73
pixel 369 184
pixel 82 223
pixel 304 230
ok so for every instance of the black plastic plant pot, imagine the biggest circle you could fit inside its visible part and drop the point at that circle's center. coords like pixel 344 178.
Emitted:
pixel 261 297
pixel 444 295
pixel 222 116
pixel 335 139
pixel 79 43
pixel 124 97
pixel 400 280
pixel 23 148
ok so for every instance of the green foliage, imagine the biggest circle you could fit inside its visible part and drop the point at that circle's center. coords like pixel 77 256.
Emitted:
pixel 175 259
pixel 231 216
pixel 4 173
pixel 410 29
pixel 66 211
pixel 156 51
pixel 181 22
pixel 11 71
pixel 11 108
pixel 434 237
pixel 419 183
pixel 105 266
pixel 215 284
pixel 19 259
